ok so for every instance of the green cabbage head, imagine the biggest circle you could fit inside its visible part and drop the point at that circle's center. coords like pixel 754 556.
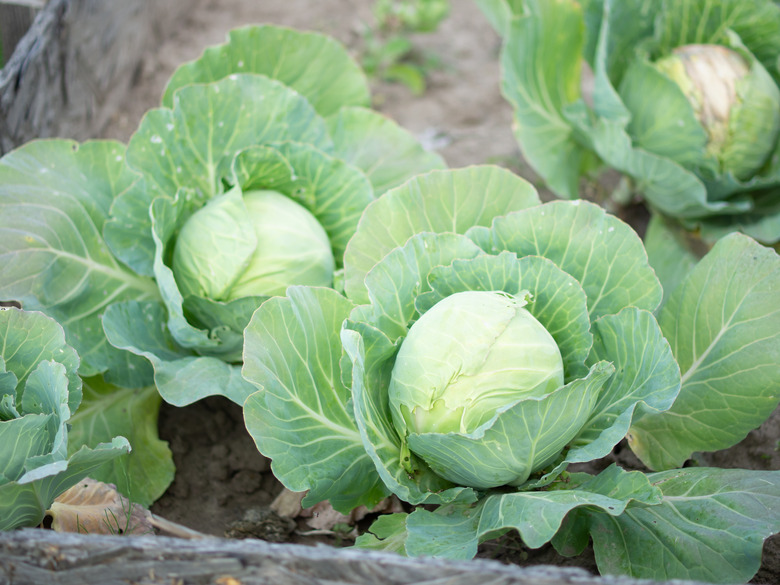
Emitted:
pixel 470 357
pixel 285 245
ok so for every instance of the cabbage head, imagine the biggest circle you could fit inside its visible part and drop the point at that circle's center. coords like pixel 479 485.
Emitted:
pixel 736 102
pixel 285 245
pixel 470 357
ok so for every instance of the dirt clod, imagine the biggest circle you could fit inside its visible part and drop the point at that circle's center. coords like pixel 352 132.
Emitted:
pixel 261 523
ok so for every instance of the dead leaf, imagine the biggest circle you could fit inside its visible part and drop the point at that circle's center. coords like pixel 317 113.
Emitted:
pixel 288 503
pixel 94 507
pixel 321 516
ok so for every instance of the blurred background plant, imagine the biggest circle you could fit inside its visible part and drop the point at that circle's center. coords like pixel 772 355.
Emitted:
pixel 388 52
pixel 666 110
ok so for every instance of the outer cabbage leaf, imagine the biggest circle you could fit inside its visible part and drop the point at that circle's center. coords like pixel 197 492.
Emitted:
pixel 723 324
pixel 536 515
pixel 613 32
pixel 387 533
pixel 440 201
pixel 324 73
pixel 761 223
pixel 145 473
pixel 181 377
pixel 500 12
pixel 313 64
pixel 600 251
pixel 28 338
pixel 646 379
pixel 672 252
pixel 541 69
pixel 301 416
pixel 382 149
pixel 674 133
pixel 717 518
pixel 54 201
pixel 450 531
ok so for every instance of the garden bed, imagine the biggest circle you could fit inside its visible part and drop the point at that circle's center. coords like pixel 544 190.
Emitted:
pixel 220 474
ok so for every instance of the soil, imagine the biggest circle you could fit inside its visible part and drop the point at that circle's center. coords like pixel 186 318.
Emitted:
pixel 223 485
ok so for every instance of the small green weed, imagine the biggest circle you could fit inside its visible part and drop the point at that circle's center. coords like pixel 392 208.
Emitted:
pixel 389 54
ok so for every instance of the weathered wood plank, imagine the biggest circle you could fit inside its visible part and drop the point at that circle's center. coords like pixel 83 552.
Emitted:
pixel 70 71
pixel 31 557
pixel 16 17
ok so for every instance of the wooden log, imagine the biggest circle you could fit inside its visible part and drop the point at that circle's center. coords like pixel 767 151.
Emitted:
pixel 32 557
pixel 16 17
pixel 69 72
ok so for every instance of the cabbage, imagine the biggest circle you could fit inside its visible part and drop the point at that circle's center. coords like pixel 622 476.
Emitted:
pixel 487 344
pixel 681 97
pixel 286 245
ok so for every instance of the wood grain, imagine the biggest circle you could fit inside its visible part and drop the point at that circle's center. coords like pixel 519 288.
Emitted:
pixel 32 557
pixel 70 71
pixel 16 17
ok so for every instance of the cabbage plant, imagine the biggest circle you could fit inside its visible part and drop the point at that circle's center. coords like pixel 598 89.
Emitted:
pixel 39 391
pixel 479 352
pixel 251 176
pixel 681 98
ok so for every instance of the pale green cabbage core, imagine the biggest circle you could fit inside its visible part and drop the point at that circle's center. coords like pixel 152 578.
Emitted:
pixel 736 102
pixel 286 245
pixel 471 355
